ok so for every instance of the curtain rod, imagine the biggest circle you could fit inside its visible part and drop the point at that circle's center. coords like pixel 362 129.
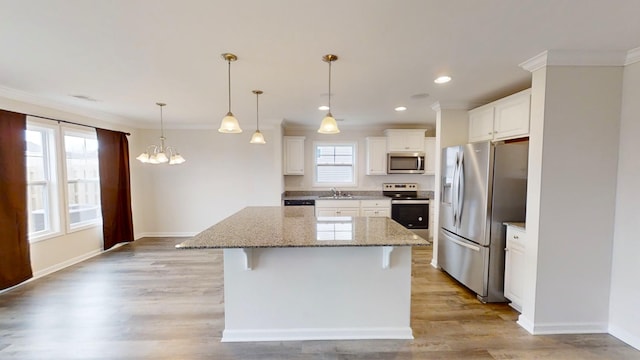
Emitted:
pixel 71 122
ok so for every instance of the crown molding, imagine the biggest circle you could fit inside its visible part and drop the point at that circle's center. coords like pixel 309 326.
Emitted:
pixel 537 62
pixel 633 56
pixel 575 58
pixel 31 99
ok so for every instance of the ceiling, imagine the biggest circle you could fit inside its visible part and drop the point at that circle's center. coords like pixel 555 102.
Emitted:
pixel 123 56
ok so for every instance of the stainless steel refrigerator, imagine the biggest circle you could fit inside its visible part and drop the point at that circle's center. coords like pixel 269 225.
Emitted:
pixel 483 185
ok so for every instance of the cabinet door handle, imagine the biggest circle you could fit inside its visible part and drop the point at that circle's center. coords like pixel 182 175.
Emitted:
pixel 491 133
pixel 516 237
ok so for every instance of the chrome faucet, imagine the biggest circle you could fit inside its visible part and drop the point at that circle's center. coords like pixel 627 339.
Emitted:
pixel 334 191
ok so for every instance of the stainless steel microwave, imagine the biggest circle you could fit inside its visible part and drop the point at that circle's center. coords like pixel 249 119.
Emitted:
pixel 405 163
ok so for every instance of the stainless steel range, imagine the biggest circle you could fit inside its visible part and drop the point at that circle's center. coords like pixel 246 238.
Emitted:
pixel 407 208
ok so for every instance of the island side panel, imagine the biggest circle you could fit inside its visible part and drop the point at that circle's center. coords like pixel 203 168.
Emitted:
pixel 317 293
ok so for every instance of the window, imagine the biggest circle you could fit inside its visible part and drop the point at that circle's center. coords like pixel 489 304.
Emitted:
pixel 335 164
pixel 54 175
pixel 42 187
pixel 83 185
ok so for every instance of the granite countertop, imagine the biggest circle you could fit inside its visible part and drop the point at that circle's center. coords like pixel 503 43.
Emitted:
pixel 297 226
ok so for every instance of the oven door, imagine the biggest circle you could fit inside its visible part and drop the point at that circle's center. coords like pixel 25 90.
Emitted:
pixel 412 214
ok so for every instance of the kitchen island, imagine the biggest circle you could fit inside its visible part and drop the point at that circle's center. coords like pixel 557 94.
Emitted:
pixel 291 276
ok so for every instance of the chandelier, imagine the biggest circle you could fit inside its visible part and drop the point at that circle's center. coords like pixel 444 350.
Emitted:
pixel 161 154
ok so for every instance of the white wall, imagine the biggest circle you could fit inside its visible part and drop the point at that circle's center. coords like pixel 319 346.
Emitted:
pixel 223 174
pixel 624 312
pixel 365 182
pixel 54 253
pixel 573 169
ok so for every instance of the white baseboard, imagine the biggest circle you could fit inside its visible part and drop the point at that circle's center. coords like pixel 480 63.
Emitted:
pixel 250 335
pixel 165 234
pixel 434 263
pixel 625 336
pixel 525 323
pixel 562 328
pixel 64 264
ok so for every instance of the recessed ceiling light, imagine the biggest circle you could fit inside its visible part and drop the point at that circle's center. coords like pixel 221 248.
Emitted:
pixel 401 108
pixel 323 107
pixel 442 79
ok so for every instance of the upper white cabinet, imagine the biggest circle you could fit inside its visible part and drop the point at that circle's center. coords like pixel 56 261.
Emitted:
pixel 481 123
pixel 430 156
pixel 293 155
pixel 376 156
pixel 399 140
pixel 506 118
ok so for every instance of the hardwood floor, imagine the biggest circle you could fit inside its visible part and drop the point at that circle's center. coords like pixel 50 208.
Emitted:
pixel 147 300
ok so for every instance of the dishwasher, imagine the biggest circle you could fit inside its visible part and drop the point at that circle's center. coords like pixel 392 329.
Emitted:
pixel 299 202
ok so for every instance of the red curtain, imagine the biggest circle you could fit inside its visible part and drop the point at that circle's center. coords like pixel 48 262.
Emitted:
pixel 15 259
pixel 115 187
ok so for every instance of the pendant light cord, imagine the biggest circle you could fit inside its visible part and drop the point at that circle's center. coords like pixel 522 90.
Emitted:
pixel 229 82
pixel 162 138
pixel 329 86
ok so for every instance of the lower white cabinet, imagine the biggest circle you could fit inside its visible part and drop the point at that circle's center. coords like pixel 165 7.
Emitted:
pixel 353 207
pixel 379 208
pixel 514 265
pixel 337 207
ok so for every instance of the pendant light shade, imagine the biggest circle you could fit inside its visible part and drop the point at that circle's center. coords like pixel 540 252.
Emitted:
pixel 257 137
pixel 229 124
pixel 161 154
pixel 329 124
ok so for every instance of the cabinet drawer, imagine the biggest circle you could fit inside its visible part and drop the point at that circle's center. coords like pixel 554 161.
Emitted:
pixel 384 203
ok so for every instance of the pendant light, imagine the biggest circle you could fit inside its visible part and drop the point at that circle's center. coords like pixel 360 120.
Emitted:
pixel 161 154
pixel 329 125
pixel 229 124
pixel 257 137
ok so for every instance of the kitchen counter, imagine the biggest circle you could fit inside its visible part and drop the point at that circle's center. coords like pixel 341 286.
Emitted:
pixel 520 225
pixel 289 276
pixel 297 226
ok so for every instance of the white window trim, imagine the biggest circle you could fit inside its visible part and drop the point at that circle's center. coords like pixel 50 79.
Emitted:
pixel 355 164
pixel 57 186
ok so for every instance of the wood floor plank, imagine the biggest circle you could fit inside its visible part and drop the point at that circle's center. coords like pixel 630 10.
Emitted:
pixel 147 300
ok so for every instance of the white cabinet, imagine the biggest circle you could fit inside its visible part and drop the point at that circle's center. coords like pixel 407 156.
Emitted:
pixel 376 156
pixel 514 265
pixel 430 156
pixel 337 208
pixel 481 123
pixel 381 208
pixel 293 155
pixel 407 140
pixel 503 119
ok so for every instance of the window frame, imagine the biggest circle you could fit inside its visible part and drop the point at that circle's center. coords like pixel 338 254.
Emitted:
pixel 354 165
pixel 55 207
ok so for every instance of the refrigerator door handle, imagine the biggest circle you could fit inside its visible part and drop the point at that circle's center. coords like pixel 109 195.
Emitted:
pixel 468 246
pixel 454 191
pixel 460 196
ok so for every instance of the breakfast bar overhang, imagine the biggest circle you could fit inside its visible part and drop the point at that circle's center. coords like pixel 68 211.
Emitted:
pixel 291 276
